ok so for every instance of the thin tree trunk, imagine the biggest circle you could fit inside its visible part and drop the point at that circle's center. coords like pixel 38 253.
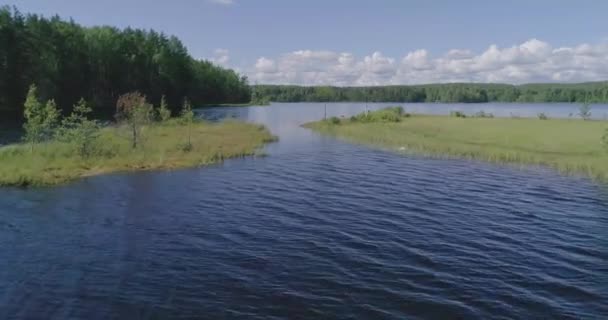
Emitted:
pixel 189 134
pixel 134 137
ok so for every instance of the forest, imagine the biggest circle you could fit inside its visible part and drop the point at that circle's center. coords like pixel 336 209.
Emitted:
pixel 590 92
pixel 67 62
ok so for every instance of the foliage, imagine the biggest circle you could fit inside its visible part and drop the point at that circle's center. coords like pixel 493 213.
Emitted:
pixel 543 116
pixel 594 92
pixel 584 111
pixel 334 120
pixel 164 113
pixel 483 114
pixel 390 114
pixel 41 119
pixel 134 110
pixel 457 114
pixel 79 131
pixel 68 61
pixel 570 146
pixel 258 99
pixel 187 117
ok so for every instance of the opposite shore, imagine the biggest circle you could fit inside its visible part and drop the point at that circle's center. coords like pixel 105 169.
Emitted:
pixel 570 146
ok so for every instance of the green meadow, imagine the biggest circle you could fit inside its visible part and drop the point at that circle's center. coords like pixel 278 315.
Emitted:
pixel 568 145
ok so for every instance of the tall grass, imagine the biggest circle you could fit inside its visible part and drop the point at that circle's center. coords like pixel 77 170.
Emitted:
pixel 570 146
pixel 56 162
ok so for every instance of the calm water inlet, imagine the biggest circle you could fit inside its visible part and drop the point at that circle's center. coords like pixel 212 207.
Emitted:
pixel 319 229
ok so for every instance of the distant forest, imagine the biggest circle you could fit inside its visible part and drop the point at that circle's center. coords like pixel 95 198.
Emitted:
pixel 68 61
pixel 591 92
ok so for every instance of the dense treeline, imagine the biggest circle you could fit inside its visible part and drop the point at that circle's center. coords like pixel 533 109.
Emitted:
pixel 592 92
pixel 67 61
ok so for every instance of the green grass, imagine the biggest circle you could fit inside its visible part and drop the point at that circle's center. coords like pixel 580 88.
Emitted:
pixel 570 146
pixel 55 162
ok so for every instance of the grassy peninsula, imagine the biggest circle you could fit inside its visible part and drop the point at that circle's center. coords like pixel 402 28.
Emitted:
pixel 144 137
pixel 568 145
pixel 56 162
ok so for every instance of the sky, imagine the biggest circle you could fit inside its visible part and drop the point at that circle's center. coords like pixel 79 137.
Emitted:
pixel 373 42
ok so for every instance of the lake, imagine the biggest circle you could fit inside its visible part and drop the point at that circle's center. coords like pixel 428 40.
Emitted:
pixel 317 229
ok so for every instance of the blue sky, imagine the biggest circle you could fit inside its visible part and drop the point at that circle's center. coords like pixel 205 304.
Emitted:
pixel 348 42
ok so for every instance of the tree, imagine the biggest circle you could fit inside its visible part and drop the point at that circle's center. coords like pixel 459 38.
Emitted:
pixel 164 113
pixel 584 111
pixel 133 110
pixel 79 130
pixel 40 120
pixel 51 119
pixel 68 61
pixel 187 117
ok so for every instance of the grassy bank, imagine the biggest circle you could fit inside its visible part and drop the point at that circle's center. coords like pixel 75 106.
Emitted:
pixel 570 146
pixel 163 147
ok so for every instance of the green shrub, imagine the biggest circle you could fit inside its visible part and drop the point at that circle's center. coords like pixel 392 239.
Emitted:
pixel 40 119
pixel 164 113
pixel 457 114
pixel 79 131
pixel 391 114
pixel 584 111
pixel 334 120
pixel 483 114
pixel 542 116
pixel 188 118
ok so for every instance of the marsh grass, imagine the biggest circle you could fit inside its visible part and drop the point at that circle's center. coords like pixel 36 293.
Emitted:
pixel 568 145
pixel 56 162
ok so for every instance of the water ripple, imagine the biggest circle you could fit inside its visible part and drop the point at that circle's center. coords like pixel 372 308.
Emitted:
pixel 320 229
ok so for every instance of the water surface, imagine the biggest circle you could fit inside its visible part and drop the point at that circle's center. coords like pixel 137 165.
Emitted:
pixel 318 229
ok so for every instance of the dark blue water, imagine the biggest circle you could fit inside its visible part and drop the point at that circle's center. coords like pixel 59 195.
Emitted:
pixel 319 229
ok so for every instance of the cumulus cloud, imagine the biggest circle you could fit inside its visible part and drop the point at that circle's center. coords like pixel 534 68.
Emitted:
pixel 530 61
pixel 221 57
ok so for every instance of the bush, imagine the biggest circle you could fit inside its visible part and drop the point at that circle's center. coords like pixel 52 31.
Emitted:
pixel 391 114
pixel 584 111
pixel 542 116
pixel 40 119
pixel 164 113
pixel 188 118
pixel 185 147
pixel 457 114
pixel 134 110
pixel 79 131
pixel 483 114
pixel 334 120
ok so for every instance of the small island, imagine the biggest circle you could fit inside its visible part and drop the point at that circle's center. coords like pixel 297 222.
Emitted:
pixel 56 150
pixel 573 146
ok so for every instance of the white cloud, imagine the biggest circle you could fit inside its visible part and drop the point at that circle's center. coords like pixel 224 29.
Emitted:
pixel 221 57
pixel 223 2
pixel 530 61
